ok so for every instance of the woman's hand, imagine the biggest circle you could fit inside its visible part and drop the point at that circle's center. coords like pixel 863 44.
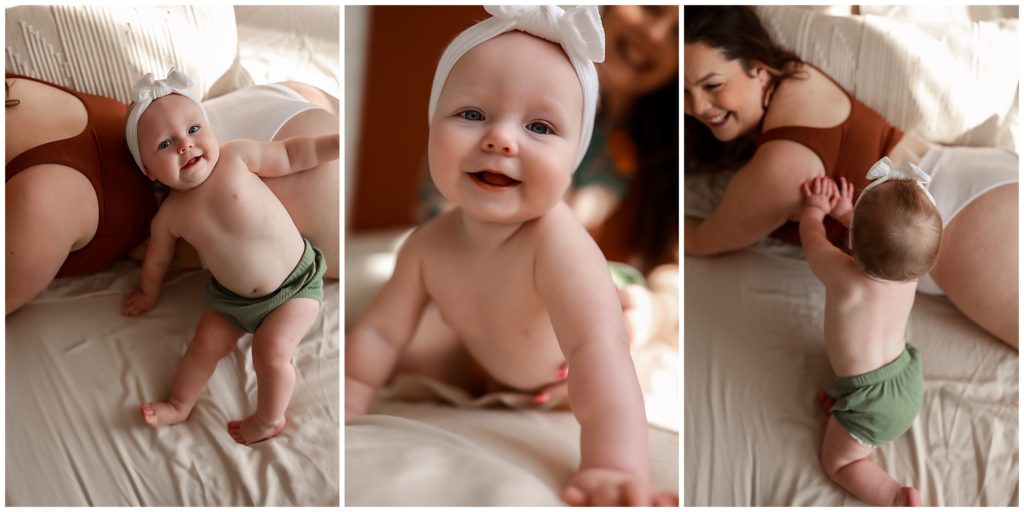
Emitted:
pixel 613 488
pixel 138 302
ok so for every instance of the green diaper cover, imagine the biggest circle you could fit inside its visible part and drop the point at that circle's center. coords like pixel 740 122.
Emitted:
pixel 305 281
pixel 879 406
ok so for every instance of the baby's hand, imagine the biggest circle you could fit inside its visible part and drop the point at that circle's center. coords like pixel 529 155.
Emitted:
pixel 820 193
pixel 843 199
pixel 613 488
pixel 138 302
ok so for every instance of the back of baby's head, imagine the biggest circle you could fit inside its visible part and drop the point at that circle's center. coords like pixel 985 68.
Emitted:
pixel 895 231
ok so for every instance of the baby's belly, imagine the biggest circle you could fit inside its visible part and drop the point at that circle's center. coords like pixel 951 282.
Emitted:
pixel 521 355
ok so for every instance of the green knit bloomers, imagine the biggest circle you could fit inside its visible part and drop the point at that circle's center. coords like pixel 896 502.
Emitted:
pixel 879 406
pixel 305 281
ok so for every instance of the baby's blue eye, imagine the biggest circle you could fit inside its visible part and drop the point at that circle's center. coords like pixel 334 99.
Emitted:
pixel 194 128
pixel 539 128
pixel 165 144
pixel 471 115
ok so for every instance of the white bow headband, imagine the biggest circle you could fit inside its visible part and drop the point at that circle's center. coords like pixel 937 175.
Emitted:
pixel 144 93
pixel 578 30
pixel 884 171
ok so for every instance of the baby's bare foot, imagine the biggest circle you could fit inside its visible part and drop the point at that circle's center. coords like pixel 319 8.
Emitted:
pixel 908 497
pixel 252 430
pixel 162 413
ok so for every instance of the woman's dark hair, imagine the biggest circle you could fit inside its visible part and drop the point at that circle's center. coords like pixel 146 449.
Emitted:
pixel 654 129
pixel 737 32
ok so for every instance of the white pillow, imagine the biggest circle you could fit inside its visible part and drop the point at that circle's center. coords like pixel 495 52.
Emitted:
pixel 103 50
pixel 952 83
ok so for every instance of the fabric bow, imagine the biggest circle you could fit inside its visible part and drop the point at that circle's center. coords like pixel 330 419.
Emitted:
pixel 577 29
pixel 149 89
pixel 883 171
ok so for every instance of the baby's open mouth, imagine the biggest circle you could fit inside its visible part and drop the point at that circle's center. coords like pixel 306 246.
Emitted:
pixel 494 179
pixel 191 162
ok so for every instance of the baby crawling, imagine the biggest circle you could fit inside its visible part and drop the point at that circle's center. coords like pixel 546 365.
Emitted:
pixel 895 231
pixel 512 273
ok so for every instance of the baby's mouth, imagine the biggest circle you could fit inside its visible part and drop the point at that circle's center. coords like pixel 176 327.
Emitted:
pixel 192 162
pixel 494 179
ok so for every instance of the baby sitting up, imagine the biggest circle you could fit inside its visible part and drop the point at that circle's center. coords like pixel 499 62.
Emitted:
pixel 894 239
pixel 267 279
pixel 519 282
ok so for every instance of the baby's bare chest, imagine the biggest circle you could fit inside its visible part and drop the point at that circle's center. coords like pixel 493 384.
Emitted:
pixel 492 297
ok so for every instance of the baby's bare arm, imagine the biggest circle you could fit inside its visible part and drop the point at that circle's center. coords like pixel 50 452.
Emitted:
pixel 291 155
pixel 823 257
pixel 373 346
pixel 573 277
pixel 159 253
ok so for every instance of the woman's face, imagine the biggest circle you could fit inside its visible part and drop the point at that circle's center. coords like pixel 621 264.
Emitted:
pixel 720 94
pixel 642 49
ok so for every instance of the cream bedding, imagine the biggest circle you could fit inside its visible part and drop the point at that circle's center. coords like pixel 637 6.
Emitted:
pixel 416 448
pixel 77 371
pixel 755 358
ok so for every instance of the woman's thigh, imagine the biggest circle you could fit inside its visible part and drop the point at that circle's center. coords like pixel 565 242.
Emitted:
pixel 50 211
pixel 977 264
pixel 311 197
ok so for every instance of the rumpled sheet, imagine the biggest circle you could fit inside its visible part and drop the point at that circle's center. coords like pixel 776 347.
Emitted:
pixel 755 359
pixel 425 443
pixel 77 371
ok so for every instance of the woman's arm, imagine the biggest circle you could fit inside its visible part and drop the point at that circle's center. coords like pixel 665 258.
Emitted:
pixel 759 198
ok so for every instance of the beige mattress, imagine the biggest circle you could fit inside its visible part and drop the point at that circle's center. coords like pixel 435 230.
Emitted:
pixel 754 360
pixel 416 448
pixel 77 370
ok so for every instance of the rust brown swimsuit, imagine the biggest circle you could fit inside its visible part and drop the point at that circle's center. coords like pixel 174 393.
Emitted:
pixel 846 150
pixel 124 194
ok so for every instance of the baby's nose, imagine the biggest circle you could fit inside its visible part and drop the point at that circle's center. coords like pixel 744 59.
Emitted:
pixel 184 147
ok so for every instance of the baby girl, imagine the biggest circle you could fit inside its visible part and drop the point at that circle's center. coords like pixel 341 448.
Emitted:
pixel 894 240
pixel 517 279
pixel 267 279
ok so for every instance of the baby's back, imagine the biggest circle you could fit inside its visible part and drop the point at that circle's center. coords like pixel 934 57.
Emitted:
pixel 865 323
pixel 242 232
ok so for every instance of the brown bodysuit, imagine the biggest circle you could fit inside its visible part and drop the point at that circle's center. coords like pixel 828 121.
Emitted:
pixel 124 194
pixel 848 150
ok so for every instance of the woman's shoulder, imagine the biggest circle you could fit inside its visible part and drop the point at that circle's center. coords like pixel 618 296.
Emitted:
pixel 808 98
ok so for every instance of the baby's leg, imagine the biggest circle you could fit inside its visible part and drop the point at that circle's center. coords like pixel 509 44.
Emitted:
pixel 214 339
pixel 849 463
pixel 272 346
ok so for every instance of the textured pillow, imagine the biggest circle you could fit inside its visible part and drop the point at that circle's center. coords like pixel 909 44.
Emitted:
pixel 952 83
pixel 103 50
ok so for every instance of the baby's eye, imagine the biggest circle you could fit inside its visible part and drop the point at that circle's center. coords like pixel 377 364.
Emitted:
pixel 540 128
pixel 192 129
pixel 164 144
pixel 471 115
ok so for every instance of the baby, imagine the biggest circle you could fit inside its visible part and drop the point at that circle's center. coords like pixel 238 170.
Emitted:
pixel 513 274
pixel 267 279
pixel 894 239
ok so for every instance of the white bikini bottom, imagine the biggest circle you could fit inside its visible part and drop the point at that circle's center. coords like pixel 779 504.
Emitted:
pixel 256 112
pixel 959 176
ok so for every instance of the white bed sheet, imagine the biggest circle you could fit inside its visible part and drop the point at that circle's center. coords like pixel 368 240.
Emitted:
pixel 77 371
pixel 755 358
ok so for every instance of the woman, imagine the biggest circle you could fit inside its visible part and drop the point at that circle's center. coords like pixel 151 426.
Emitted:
pixel 786 122
pixel 76 203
